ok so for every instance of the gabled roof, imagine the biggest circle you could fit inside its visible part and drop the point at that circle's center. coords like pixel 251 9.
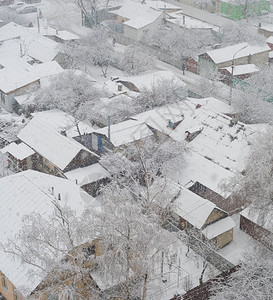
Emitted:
pixel 218 141
pixel 219 227
pixel 19 151
pixel 138 15
pixel 17 77
pixel 49 143
pixel 61 121
pixel 87 174
pixel 33 44
pixel 126 132
pixel 148 80
pixel 25 193
pixel 226 54
pixel 193 208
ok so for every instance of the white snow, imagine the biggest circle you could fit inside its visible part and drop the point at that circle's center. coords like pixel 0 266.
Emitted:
pixel 149 79
pixel 226 54
pixel 218 228
pixel 193 208
pixel 257 216
pixel 242 69
pixel 61 121
pixel 49 143
pixel 19 151
pixel 181 20
pixel 25 193
pixel 126 132
pixel 138 15
pixel 89 174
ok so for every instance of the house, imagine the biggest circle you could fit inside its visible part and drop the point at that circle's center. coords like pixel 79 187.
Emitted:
pixel 266 29
pixel 20 156
pixel 22 80
pixel 241 54
pixel 23 194
pixel 55 153
pixel 90 178
pixel 258 225
pixel 216 136
pixel 33 44
pixel 189 210
pixel 149 80
pixel 138 19
pixel 177 20
pixel 236 11
pixel 239 73
pixel 118 136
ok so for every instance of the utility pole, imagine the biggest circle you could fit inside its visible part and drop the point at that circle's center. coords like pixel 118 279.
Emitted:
pixel 232 72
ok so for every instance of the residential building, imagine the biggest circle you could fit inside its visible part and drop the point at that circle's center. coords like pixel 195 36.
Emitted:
pixel 55 153
pixel 23 194
pixel 190 211
pixel 240 54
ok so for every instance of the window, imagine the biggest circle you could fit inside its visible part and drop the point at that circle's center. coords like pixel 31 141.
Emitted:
pixel 4 282
pixel 16 295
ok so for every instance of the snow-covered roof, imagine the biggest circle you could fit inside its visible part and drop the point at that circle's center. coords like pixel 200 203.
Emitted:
pixel 193 208
pixel 259 216
pixel 62 34
pixel 219 227
pixel 138 15
pixel 213 104
pixel 181 20
pixel 33 44
pixel 19 151
pixel 197 168
pixel 12 79
pixel 47 69
pixel 218 141
pixel 25 193
pixel 88 174
pixel 159 118
pixel 267 27
pixel 149 79
pixel 241 50
pixel 49 143
pixel 126 132
pixel 270 40
pixel 161 5
pixel 18 77
pixel 62 121
pixel 243 69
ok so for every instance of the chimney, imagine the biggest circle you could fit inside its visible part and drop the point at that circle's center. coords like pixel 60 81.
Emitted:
pixel 184 20
pixel 57 31
pixel 119 87
pixel 59 196
pixel 52 189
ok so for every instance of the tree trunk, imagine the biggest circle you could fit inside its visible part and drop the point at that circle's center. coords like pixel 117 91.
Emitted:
pixel 144 294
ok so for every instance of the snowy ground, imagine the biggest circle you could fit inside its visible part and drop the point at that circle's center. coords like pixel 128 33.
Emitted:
pixel 242 242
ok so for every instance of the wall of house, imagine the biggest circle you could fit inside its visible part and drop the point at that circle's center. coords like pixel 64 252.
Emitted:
pixel 257 232
pixel 215 215
pixel 93 188
pixel 138 34
pixel 16 164
pixel 8 290
pixel 43 165
pixel 257 59
pixel 224 238
pixel 82 159
pixel 265 32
